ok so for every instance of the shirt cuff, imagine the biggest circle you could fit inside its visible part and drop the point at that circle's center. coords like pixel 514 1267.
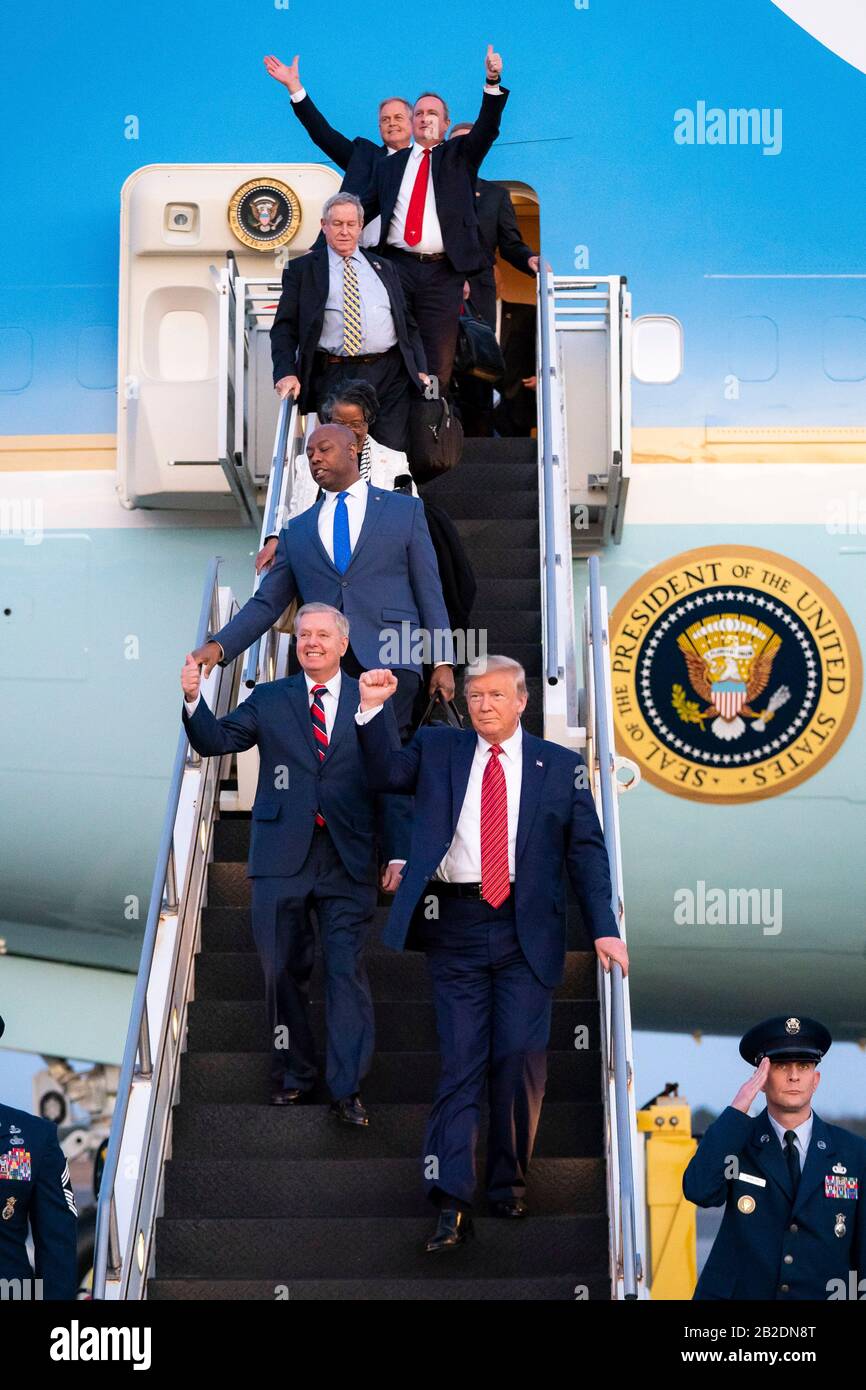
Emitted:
pixel 490 89
pixel 191 708
pixel 298 96
pixel 437 664
pixel 363 716
pixel 401 862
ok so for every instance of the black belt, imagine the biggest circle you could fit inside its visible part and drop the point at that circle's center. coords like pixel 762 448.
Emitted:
pixel 421 255
pixel 460 890
pixel 369 357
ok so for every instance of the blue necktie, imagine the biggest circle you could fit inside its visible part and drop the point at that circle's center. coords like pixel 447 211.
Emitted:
pixel 342 544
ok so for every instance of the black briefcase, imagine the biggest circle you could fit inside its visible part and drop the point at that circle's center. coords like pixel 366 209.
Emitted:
pixel 478 353
pixel 435 439
pixel 441 711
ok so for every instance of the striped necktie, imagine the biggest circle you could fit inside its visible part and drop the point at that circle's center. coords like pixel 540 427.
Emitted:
pixel 352 330
pixel 320 731
pixel 495 885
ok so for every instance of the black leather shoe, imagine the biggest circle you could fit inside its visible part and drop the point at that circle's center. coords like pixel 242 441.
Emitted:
pixel 512 1206
pixel 281 1097
pixel 452 1229
pixel 350 1111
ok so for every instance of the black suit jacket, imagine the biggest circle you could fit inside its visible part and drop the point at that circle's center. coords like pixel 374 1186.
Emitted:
pixel 497 224
pixel 454 167
pixel 301 314
pixel 356 157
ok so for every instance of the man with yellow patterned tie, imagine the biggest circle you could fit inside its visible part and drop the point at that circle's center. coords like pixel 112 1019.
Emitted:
pixel 342 315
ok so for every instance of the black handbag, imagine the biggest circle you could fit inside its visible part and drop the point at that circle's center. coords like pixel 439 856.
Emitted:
pixel 446 709
pixel 435 439
pixel 478 353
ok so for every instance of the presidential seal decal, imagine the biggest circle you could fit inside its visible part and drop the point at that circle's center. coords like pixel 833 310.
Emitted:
pixel 736 674
pixel 265 213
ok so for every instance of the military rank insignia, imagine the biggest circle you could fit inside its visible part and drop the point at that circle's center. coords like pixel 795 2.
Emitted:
pixel 838 1187
pixel 16 1164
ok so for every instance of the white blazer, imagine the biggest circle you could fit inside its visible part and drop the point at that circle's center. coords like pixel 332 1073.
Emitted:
pixel 386 465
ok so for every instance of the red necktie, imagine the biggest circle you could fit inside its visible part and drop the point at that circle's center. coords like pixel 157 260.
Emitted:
pixel 495 884
pixel 320 731
pixel 417 203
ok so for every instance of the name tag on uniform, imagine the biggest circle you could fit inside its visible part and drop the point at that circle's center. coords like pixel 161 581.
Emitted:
pixel 15 1164
pixel 750 1177
pixel 840 1189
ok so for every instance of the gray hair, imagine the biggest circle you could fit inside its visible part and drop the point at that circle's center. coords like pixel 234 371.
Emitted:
pixel 340 619
pixel 402 101
pixel 337 200
pixel 495 663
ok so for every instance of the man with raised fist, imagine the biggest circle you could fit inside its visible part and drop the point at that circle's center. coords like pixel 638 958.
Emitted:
pixel 500 817
pixel 312 846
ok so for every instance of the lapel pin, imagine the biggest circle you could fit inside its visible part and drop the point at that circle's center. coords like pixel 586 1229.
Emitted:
pixel 746 1205
pixel 839 1168
pixel 539 763
pixel 821 1144
pixel 9 1209
pixel 839 1228
pixel 765 1138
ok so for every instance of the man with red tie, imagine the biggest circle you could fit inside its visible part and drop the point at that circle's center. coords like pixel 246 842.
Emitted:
pixel 425 196
pixel 312 846
pixel 500 817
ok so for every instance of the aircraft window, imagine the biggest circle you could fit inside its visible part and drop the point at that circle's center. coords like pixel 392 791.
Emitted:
pixel 657 348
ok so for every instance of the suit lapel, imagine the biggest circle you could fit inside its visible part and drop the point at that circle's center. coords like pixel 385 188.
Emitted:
pixel 394 168
pixel 462 752
pixel 532 779
pixel 321 278
pixel 308 521
pixel 816 1160
pixel 377 500
pixel 300 703
pixel 768 1153
pixel 346 706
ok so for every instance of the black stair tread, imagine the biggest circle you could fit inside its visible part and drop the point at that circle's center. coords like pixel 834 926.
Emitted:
pixel 490 559
pixel 357 1187
pixel 559 1288
pixel 240 1025
pixel 489 503
pixel 361 1247
pixel 508 592
pixel 235 973
pixel 209 1131
pixel 395 1076
pixel 501 534
pixel 496 447
pixel 505 477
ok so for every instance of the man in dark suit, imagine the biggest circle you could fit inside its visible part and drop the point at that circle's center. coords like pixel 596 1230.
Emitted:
pixel 499 817
pixel 312 846
pixel 355 156
pixel 367 552
pixel 425 197
pixel 36 1191
pixel 794 1225
pixel 516 413
pixel 342 316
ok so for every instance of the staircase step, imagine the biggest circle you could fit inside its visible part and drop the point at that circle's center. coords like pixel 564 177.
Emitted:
pixel 228 967
pixel 504 535
pixel 494 449
pixel 470 505
pixel 210 1133
pixel 504 627
pixel 228 1025
pixel 508 592
pixel 358 1187
pixel 239 1078
pixel 323 1247
pixel 479 475
pixel 490 559
pixel 562 1288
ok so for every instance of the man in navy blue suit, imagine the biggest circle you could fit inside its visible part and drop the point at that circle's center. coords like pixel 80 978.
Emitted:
pixel 367 552
pixel 500 816
pixel 312 845
pixel 36 1191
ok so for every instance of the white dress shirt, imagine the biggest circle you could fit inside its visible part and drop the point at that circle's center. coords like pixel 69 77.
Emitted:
pixel 356 505
pixel 431 233
pixel 462 863
pixel 803 1134
pixel 378 333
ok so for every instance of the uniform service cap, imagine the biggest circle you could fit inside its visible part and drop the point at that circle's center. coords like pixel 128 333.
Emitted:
pixel 790 1037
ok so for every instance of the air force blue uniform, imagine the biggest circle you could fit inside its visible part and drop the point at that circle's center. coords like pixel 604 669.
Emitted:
pixel 293 865
pixel 36 1190
pixel 772 1245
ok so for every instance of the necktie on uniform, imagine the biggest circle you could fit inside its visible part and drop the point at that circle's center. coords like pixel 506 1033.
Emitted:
pixel 793 1159
pixel 417 202
pixel 352 328
pixel 320 731
pixel 495 884
pixel 342 543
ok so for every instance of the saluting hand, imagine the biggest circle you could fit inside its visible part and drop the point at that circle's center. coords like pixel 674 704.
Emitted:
pixel 190 679
pixel 749 1089
pixel 493 63
pixel 376 688
pixel 289 76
